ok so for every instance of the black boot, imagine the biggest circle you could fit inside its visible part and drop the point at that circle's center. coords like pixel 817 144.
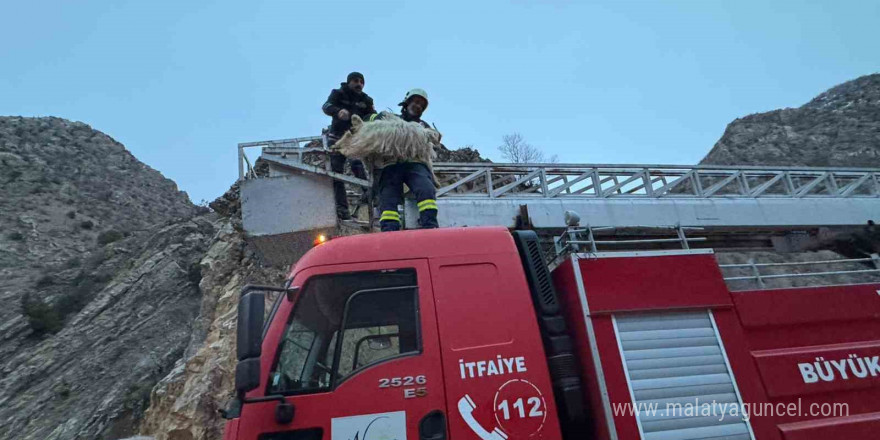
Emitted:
pixel 342 213
pixel 428 219
pixel 389 225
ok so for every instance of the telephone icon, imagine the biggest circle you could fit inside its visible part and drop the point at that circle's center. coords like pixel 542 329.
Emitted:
pixel 466 408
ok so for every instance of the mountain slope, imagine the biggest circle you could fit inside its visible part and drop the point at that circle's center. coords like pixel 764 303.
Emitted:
pixel 99 273
pixel 839 128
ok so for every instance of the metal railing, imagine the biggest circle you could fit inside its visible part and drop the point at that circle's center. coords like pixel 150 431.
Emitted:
pixel 575 237
pixel 498 180
pixel 287 148
pixel 760 278
pixel 651 181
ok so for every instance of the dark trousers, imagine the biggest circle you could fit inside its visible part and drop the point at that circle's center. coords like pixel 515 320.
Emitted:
pixel 418 178
pixel 337 165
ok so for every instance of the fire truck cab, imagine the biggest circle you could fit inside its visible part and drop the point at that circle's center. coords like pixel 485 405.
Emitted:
pixel 464 333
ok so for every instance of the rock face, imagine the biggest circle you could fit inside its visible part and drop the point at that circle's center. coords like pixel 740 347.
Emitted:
pixel 93 378
pixel 67 190
pixel 98 274
pixel 184 405
pixel 839 128
pixel 463 154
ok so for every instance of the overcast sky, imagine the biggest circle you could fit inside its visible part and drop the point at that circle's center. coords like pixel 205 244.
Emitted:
pixel 182 83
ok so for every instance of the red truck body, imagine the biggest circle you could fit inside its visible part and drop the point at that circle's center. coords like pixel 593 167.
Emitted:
pixel 444 325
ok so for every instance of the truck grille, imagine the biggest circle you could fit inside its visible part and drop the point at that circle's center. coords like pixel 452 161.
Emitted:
pixel 677 374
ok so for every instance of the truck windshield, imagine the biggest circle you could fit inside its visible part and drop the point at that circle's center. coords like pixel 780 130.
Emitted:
pixel 376 313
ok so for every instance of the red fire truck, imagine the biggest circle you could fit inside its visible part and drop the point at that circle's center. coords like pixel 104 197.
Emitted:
pixel 466 333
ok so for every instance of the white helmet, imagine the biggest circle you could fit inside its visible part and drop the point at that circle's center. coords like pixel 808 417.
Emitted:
pixel 415 92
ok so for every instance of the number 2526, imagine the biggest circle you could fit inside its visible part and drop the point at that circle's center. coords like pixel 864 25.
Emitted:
pixel 402 381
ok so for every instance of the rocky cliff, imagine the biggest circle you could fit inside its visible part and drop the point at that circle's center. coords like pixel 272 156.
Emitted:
pixel 99 273
pixel 839 128
pixel 184 404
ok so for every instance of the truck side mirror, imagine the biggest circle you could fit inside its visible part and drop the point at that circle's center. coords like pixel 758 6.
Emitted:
pixel 249 340
pixel 249 337
pixel 247 375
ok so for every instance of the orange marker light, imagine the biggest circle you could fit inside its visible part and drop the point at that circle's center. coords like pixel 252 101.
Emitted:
pixel 319 240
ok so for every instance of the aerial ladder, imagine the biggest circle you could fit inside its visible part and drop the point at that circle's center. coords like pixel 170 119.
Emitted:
pixel 287 194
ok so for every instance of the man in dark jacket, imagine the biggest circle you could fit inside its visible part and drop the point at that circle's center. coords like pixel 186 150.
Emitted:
pixel 415 175
pixel 349 99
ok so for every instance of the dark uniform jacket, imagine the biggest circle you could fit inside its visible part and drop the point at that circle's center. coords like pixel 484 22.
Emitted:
pixel 344 98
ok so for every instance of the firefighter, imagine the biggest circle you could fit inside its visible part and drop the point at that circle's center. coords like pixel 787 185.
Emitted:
pixel 349 99
pixel 415 175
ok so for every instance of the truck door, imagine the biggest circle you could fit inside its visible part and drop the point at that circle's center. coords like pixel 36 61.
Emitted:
pixel 358 357
pixel 497 382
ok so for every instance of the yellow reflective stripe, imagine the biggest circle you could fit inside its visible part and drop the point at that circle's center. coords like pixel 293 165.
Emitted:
pixel 390 215
pixel 373 117
pixel 426 204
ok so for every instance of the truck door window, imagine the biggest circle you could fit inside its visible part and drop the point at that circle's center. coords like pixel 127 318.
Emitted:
pixel 379 310
pixel 379 324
